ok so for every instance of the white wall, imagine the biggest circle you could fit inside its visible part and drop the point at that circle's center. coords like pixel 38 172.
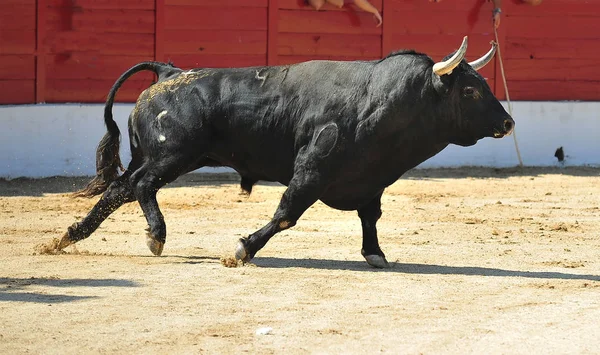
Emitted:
pixel 541 128
pixel 49 140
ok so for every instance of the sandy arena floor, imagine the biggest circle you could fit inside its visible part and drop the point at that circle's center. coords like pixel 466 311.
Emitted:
pixel 484 261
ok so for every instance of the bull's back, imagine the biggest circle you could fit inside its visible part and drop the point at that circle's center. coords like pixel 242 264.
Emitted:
pixel 263 116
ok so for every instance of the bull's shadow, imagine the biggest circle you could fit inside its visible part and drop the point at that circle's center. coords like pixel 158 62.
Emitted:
pixel 476 172
pixel 15 289
pixel 420 269
pixel 58 184
pixel 67 185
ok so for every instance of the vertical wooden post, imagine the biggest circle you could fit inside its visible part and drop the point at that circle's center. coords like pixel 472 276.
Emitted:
pixel 40 52
pixel 498 82
pixel 272 31
pixel 159 30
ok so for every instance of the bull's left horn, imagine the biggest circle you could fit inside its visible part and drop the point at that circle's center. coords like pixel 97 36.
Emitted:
pixel 447 66
pixel 482 62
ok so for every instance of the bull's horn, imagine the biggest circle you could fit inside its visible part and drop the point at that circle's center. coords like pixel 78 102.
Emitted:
pixel 447 66
pixel 482 62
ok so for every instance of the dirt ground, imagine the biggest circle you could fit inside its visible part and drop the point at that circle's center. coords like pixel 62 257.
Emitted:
pixel 484 261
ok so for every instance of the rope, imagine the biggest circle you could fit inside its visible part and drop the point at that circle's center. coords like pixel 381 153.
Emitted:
pixel 514 134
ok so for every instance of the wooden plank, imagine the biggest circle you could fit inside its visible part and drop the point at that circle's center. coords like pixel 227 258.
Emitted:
pixel 456 16
pixel 349 22
pixel 104 4
pixel 302 5
pixel 500 89
pixel 438 46
pixel 272 32
pixel 215 42
pixel 554 90
pixel 442 6
pixel 17 67
pixel 13 92
pixel 93 66
pixel 548 48
pixel 4 3
pixel 582 27
pixel 17 41
pixel 217 61
pixel 40 48
pixel 92 91
pixel 293 59
pixel 159 31
pixel 100 21
pixel 305 44
pixel 555 69
pixel 213 18
pixel 452 23
pixel 387 42
pixel 106 43
pixel 17 17
pixel 219 3
pixel 554 8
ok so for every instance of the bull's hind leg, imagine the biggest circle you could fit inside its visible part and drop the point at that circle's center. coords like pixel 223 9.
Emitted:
pixel 369 215
pixel 146 182
pixel 146 186
pixel 118 193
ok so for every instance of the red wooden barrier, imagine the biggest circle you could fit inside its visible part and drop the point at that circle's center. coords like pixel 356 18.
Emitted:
pixel 73 50
pixel 17 51
pixel 551 50
pixel 87 44
pixel 215 33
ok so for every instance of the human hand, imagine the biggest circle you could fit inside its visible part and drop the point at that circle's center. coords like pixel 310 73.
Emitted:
pixel 378 18
pixel 496 17
pixel 365 5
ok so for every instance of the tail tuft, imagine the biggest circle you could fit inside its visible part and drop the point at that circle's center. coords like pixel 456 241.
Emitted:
pixel 108 163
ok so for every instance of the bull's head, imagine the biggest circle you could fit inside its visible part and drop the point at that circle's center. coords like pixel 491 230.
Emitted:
pixel 475 111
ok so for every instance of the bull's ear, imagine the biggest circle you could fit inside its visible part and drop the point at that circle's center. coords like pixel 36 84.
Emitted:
pixel 442 84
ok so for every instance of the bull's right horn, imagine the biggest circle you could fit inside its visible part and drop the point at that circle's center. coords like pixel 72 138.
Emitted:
pixel 481 62
pixel 447 66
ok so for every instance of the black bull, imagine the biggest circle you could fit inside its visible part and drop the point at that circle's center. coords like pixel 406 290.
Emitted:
pixel 339 132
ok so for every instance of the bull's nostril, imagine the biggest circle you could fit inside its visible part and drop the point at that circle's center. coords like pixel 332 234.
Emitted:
pixel 508 125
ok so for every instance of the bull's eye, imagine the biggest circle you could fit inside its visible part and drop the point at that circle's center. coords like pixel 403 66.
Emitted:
pixel 470 91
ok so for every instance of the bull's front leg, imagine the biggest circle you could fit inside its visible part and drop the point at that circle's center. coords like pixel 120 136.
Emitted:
pixel 313 169
pixel 304 190
pixel 369 215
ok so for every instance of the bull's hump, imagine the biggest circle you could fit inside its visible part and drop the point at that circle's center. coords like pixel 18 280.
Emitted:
pixel 172 84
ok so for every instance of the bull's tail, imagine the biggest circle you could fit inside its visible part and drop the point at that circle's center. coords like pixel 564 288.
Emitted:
pixel 108 160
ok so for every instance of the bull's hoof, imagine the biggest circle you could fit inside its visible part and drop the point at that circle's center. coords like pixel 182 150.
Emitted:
pixel 377 261
pixel 154 245
pixel 65 241
pixel 241 253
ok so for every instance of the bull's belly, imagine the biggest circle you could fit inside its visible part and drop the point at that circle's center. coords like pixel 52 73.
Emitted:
pixel 350 196
pixel 357 186
pixel 255 169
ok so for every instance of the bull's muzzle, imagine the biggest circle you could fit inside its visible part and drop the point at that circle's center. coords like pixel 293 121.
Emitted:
pixel 507 128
